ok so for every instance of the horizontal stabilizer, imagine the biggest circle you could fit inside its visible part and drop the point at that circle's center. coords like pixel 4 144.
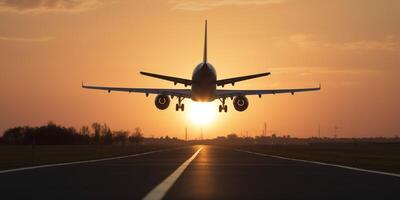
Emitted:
pixel 240 78
pixel 169 78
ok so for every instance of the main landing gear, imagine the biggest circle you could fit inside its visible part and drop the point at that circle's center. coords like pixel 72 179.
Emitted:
pixel 180 105
pixel 222 107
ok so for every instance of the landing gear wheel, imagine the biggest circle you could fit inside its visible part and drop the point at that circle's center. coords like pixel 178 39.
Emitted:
pixel 183 107
pixel 177 107
pixel 222 107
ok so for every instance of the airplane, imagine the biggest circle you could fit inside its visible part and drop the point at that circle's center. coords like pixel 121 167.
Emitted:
pixel 203 85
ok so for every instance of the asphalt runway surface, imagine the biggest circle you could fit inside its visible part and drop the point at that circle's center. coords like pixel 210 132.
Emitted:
pixel 212 173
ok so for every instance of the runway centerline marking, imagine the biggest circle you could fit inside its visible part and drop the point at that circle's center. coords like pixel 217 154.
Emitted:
pixel 81 162
pixel 161 189
pixel 322 163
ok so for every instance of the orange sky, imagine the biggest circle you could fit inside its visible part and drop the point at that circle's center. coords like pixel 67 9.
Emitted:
pixel 47 47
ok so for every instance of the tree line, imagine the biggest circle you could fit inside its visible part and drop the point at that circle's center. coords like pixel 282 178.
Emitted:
pixel 97 133
pixel 53 134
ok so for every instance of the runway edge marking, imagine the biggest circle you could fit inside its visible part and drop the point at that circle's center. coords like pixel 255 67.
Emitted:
pixel 161 189
pixel 81 162
pixel 321 163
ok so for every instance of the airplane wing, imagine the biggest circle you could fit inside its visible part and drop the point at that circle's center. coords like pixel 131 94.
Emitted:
pixel 174 92
pixel 169 78
pixel 232 81
pixel 233 93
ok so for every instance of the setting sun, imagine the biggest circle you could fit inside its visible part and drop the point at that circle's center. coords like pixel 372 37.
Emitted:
pixel 201 113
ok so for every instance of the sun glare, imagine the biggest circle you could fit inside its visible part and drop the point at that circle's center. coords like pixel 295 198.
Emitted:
pixel 201 113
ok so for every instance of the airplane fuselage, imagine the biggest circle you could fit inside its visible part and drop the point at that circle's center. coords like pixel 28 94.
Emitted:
pixel 204 86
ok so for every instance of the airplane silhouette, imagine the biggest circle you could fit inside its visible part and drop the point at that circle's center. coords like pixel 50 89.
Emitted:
pixel 203 87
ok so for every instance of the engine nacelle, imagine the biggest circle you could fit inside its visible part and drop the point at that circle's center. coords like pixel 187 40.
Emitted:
pixel 240 103
pixel 162 101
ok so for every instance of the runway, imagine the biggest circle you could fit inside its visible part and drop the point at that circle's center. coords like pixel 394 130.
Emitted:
pixel 213 173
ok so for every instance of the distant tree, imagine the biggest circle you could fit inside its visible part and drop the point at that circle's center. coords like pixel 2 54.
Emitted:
pixel 51 124
pixel 50 134
pixel 72 130
pixel 17 135
pixel 137 136
pixel 220 138
pixel 85 130
pixel 232 136
pixel 120 137
pixel 106 134
pixel 84 135
pixel 97 130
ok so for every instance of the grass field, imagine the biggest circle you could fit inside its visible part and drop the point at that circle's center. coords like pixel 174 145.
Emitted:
pixel 379 156
pixel 22 156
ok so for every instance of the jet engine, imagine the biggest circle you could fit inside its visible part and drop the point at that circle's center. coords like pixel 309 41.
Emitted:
pixel 162 101
pixel 240 103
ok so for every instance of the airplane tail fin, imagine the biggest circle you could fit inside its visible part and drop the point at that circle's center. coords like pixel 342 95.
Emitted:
pixel 205 44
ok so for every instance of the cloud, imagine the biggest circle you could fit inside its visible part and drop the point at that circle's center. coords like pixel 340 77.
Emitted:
pixel 26 39
pixel 308 42
pixel 200 5
pixel 386 44
pixel 324 70
pixel 39 6
pixel 303 41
